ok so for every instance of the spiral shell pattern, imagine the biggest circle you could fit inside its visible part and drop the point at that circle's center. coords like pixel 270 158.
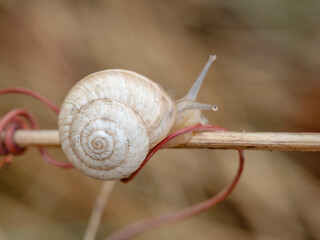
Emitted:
pixel 110 120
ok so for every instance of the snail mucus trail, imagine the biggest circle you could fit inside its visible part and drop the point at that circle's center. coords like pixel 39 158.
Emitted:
pixel 111 119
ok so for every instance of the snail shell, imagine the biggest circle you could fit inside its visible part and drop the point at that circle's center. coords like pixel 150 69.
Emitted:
pixel 109 121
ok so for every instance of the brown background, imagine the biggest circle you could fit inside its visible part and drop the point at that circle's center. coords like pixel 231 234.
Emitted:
pixel 266 78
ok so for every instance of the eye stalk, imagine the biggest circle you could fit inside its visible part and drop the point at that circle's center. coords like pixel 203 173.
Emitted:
pixel 188 109
pixel 188 102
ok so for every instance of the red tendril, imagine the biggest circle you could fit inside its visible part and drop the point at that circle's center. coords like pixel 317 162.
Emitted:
pixel 22 119
pixel 147 224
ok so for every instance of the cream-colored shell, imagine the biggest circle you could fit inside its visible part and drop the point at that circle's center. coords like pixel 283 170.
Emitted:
pixel 109 121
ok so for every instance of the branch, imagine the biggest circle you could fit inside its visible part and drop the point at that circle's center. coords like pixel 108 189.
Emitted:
pixel 98 209
pixel 216 140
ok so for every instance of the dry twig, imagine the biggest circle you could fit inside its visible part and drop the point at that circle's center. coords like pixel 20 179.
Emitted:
pixel 95 218
pixel 218 140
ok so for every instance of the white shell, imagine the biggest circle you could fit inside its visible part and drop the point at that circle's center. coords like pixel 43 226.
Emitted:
pixel 110 120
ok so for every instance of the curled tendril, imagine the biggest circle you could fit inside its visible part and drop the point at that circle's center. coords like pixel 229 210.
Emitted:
pixel 144 225
pixel 22 119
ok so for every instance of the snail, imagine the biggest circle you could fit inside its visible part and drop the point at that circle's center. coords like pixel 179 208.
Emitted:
pixel 110 119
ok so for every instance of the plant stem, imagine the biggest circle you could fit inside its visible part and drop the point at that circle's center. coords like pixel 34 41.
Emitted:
pixel 97 211
pixel 270 141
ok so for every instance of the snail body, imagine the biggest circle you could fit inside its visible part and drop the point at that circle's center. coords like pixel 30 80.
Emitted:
pixel 110 119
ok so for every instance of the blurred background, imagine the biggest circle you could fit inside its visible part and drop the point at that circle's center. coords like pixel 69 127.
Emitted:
pixel 266 78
